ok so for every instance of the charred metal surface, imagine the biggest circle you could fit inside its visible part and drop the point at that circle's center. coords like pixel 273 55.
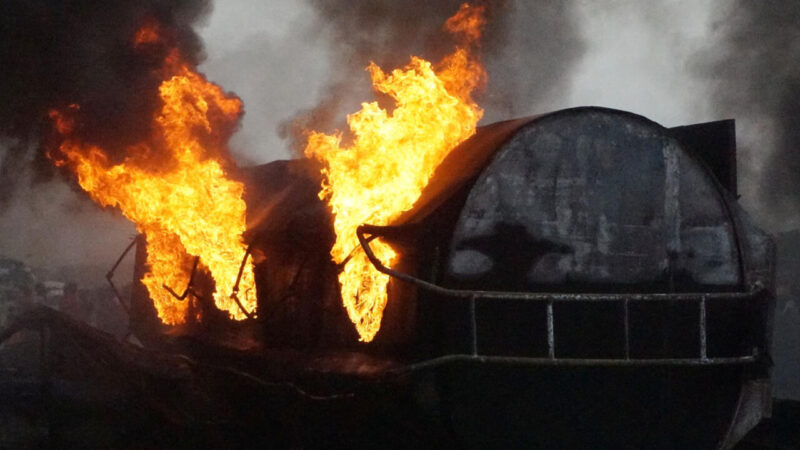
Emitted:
pixel 570 279
pixel 289 231
pixel 779 431
pixel 595 246
pixel 461 166
pixel 92 391
pixel 715 144
pixel 594 197
pixel 755 290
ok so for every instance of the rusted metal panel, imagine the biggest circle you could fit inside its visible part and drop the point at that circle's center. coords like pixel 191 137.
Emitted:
pixel 595 244
pixel 715 144
pixel 461 167
pixel 590 196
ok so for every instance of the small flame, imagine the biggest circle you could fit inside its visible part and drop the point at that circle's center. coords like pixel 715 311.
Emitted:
pixel 468 21
pixel 393 156
pixel 147 34
pixel 187 206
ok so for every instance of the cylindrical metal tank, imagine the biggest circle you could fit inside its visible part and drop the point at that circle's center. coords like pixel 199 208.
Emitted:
pixel 586 282
pixel 580 279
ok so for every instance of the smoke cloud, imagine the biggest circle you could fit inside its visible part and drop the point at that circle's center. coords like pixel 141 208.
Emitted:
pixel 281 56
pixel 529 48
pixel 753 65
pixel 58 53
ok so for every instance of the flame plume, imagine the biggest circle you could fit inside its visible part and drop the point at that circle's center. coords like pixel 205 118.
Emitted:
pixel 174 186
pixel 393 156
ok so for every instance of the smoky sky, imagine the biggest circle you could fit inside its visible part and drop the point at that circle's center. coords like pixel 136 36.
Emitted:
pixel 529 48
pixel 57 53
pixel 752 64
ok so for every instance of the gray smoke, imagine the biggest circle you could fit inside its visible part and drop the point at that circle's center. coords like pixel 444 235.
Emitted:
pixel 57 53
pixel 280 56
pixel 754 68
pixel 529 48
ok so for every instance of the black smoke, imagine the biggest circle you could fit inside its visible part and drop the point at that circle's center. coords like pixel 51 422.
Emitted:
pixel 55 53
pixel 529 49
pixel 753 64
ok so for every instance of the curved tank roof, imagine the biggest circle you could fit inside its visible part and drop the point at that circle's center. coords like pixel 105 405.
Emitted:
pixel 584 197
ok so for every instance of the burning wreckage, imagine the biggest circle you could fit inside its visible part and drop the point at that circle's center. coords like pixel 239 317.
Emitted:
pixel 586 263
pixel 580 278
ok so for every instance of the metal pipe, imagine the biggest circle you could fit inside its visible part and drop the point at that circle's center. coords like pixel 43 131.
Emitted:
pixel 703 331
pixel 188 289
pixel 754 292
pixel 473 326
pixel 110 274
pixel 551 338
pixel 352 253
pixel 235 291
pixel 626 306
pixel 577 362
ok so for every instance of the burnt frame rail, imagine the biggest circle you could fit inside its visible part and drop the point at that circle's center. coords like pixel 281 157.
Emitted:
pixel 110 274
pixel 755 292
pixel 235 291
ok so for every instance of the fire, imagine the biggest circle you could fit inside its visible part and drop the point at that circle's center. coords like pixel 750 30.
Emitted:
pixel 147 34
pixel 175 188
pixel 392 157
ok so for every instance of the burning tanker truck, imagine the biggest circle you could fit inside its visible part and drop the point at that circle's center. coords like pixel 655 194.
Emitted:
pixel 579 277
pixel 583 278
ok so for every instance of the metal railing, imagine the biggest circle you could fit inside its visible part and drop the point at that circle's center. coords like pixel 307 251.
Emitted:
pixel 755 292
pixel 189 290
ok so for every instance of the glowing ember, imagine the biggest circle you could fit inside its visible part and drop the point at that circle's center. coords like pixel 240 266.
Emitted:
pixel 148 34
pixel 174 187
pixel 393 156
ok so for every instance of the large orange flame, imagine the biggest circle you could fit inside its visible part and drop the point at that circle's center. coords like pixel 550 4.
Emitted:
pixel 175 188
pixel 392 157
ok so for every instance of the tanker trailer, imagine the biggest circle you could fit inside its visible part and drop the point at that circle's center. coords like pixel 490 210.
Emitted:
pixel 583 278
